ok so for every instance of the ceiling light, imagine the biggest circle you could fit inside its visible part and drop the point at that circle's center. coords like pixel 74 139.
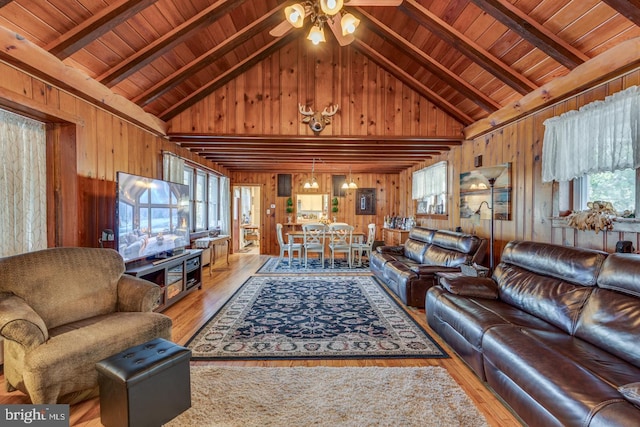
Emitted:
pixel 316 35
pixel 331 7
pixel 313 183
pixel 351 184
pixel 349 23
pixel 295 14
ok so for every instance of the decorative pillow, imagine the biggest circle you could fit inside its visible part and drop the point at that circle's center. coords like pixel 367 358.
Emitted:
pixel 479 287
pixel 631 392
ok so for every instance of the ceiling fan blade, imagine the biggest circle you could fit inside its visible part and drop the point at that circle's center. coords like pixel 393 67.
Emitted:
pixel 334 24
pixel 373 2
pixel 281 29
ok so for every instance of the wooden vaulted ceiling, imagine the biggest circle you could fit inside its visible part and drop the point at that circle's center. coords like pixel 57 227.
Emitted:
pixel 471 58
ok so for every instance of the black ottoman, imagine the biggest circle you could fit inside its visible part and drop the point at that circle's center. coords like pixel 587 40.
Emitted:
pixel 145 385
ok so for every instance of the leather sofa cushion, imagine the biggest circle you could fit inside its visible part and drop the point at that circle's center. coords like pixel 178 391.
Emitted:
pixel 556 301
pixel 422 234
pixel 465 243
pixel 472 317
pixel 570 264
pixel 414 250
pixel 479 287
pixel 435 255
pixel 543 365
pixel 621 272
pixel 611 321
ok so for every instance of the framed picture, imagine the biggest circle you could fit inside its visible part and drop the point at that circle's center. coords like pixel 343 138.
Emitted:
pixel 366 201
pixel 475 194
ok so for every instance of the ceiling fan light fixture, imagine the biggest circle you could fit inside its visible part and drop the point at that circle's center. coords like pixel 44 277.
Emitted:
pixel 349 23
pixel 331 7
pixel 316 35
pixel 295 14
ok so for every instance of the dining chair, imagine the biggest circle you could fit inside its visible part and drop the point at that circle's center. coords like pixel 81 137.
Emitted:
pixel 313 240
pixel 289 247
pixel 340 240
pixel 358 248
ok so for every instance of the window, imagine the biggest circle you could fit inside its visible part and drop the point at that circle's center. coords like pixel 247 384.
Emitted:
pixel 618 187
pixel 429 188
pixel 206 198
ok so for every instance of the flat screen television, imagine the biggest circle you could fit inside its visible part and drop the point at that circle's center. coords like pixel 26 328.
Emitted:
pixel 152 217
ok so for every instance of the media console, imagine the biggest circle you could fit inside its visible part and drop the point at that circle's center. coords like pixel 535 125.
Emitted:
pixel 177 276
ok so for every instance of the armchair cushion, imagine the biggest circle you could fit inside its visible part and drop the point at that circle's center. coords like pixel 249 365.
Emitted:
pixel 136 294
pixel 18 322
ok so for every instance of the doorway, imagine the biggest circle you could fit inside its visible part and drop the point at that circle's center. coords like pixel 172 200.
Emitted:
pixel 246 219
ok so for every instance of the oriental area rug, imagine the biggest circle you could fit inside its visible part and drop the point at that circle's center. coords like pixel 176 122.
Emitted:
pixel 306 317
pixel 314 266
pixel 325 396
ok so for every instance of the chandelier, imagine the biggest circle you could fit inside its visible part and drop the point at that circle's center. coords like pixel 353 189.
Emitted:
pixel 312 183
pixel 351 184
pixel 320 12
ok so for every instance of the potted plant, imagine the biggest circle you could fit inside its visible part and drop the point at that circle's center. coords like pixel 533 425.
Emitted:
pixel 289 209
pixel 334 207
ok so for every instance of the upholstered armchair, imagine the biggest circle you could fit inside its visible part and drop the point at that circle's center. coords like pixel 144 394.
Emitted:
pixel 64 309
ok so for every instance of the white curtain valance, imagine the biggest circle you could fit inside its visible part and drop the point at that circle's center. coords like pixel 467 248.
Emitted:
pixel 429 181
pixel 601 136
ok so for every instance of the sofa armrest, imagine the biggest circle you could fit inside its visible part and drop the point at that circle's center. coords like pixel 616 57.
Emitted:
pixel 396 250
pixel 425 269
pixel 478 287
pixel 20 323
pixel 135 294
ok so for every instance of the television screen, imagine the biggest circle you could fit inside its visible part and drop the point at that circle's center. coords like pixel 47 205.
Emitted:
pixel 152 217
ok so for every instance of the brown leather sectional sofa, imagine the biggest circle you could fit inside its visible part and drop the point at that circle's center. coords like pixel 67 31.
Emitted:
pixel 409 269
pixel 555 332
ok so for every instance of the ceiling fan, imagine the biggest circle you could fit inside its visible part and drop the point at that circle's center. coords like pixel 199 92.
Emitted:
pixel 326 13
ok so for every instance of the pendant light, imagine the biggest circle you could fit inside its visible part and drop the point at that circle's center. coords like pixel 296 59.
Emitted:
pixel 313 183
pixel 351 184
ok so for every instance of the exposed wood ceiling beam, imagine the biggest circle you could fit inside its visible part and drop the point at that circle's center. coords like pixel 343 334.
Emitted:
pixel 99 24
pixel 5 2
pixel 533 32
pixel 295 165
pixel 227 76
pixel 478 97
pixel 611 63
pixel 469 48
pixel 18 51
pixel 165 43
pixel 410 81
pixel 630 9
pixel 193 138
pixel 209 57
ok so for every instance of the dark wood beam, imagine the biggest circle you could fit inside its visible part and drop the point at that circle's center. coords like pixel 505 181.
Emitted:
pixel 209 57
pixel 167 42
pixel 630 9
pixel 459 41
pixel 4 2
pixel 99 24
pixel 228 75
pixel 367 140
pixel 443 73
pixel 533 32
pixel 410 81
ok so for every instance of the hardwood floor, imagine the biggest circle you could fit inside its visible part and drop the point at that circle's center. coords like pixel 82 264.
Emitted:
pixel 195 309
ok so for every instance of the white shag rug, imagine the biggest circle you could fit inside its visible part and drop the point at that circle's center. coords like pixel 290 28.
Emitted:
pixel 325 396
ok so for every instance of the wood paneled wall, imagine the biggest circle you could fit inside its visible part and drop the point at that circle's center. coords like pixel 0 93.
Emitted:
pixel 521 144
pixel 264 100
pixel 104 144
